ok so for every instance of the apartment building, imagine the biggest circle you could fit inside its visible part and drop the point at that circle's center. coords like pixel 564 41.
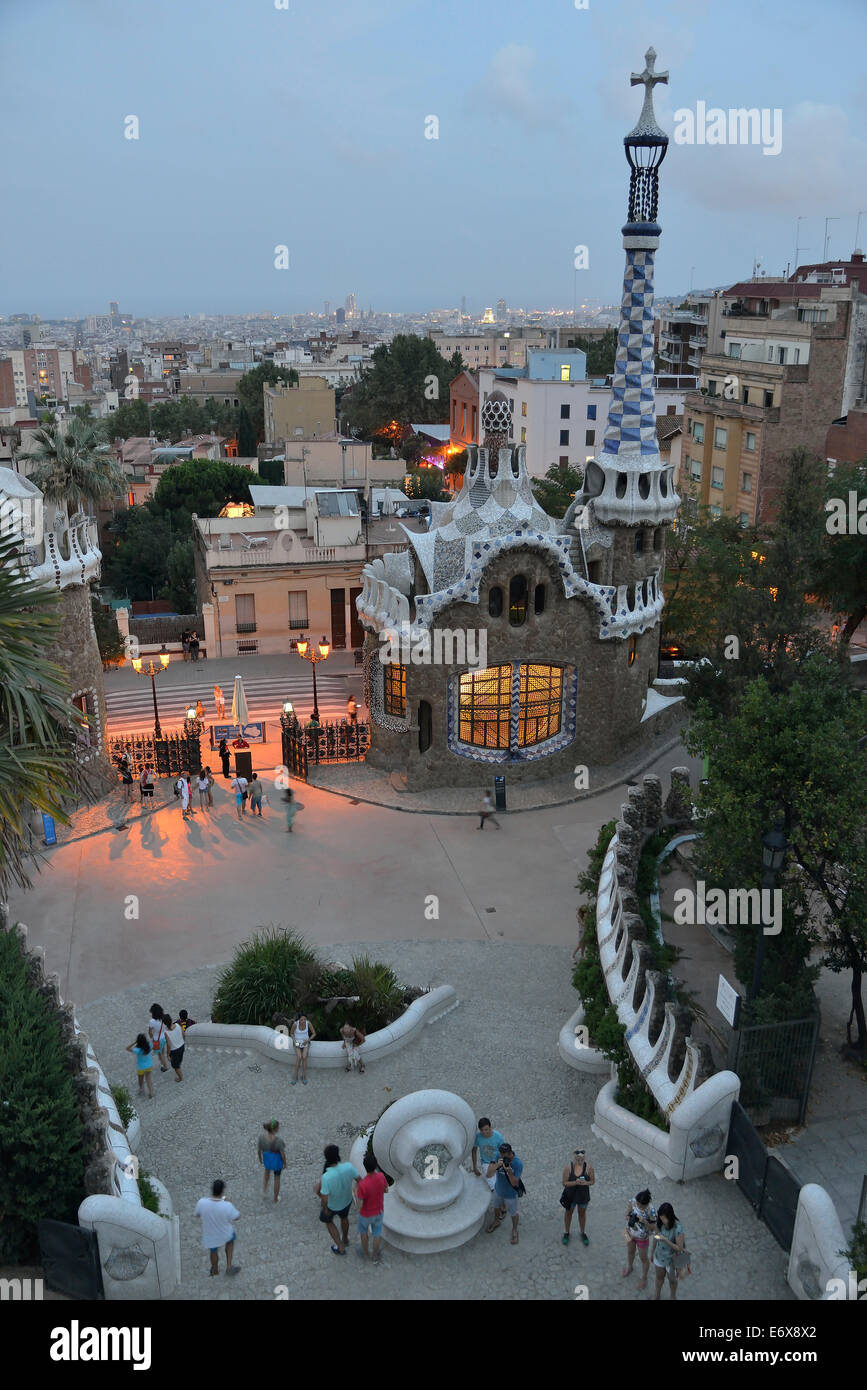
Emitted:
pixel 785 359
pixel 305 411
pixel 559 414
pixel 293 567
pixel 45 372
pixel 464 410
pixel 683 335
pixel 499 348
pixel 203 384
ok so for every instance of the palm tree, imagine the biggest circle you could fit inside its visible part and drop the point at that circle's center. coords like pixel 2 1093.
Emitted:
pixel 74 466
pixel 74 469
pixel 38 767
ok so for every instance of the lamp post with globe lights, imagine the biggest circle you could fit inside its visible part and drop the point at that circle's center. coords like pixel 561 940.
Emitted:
pixel 307 652
pixel 153 671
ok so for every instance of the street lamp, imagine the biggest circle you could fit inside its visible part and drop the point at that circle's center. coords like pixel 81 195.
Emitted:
pixel 153 671
pixel 774 843
pixel 306 652
pixel 288 719
pixel 192 723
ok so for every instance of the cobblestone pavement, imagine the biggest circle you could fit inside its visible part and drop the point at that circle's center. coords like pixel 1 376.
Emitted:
pixel 498 1051
pixel 374 785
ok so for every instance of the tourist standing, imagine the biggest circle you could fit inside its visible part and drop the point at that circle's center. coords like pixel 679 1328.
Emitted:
pixel 126 778
pixel 370 1194
pixel 220 701
pixel 239 787
pixel 486 811
pixel 185 792
pixel 146 786
pixel 272 1156
pixel 641 1220
pixel 353 1038
pixel 291 808
pixel 217 1215
pixel 352 710
pixel 157 1034
pixel 203 783
pixel 255 795
pixel 200 710
pixel 581 945
pixel 144 1062
pixel 302 1034
pixel 578 1178
pixel 175 1044
pixel 224 755
pixel 194 646
pixel 335 1197
pixel 508 1188
pixel 185 645
pixel 210 776
pixel 668 1244
pixel 487 1145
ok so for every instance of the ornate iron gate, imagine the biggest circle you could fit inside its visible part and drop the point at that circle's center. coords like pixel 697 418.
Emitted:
pixel 771 1190
pixel 328 743
pixel 168 757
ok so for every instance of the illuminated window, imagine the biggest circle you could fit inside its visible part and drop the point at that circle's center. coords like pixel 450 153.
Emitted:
pixel 630 659
pixel 490 700
pixel 524 408
pixel 394 693
pixel 565 372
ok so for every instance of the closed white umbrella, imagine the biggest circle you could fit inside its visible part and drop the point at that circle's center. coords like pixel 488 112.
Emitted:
pixel 240 712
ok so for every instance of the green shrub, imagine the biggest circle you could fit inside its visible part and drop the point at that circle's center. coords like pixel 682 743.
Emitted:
pixel 42 1153
pixel 125 1107
pixel 276 972
pixel 262 978
pixel 856 1253
pixel 148 1193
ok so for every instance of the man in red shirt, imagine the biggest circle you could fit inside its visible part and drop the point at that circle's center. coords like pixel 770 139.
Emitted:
pixel 370 1193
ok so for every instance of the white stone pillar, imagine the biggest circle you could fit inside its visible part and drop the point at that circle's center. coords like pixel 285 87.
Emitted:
pixel 209 621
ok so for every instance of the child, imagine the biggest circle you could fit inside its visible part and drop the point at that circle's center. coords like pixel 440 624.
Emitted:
pixel 184 1020
pixel 144 1059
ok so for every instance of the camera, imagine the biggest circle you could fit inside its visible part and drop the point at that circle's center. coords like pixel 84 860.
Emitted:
pixel 505 1160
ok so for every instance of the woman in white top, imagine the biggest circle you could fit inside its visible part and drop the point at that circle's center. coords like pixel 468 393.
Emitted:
pixel 175 1044
pixel 203 782
pixel 302 1034
pixel 185 791
pixel 157 1033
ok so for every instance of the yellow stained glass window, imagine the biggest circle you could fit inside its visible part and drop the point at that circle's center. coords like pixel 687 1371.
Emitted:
pixel 395 689
pixel 540 702
pixel 485 703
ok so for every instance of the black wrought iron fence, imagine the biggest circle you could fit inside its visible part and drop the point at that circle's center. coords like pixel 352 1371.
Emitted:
pixel 768 1185
pixel 775 1064
pixel 343 742
pixel 167 757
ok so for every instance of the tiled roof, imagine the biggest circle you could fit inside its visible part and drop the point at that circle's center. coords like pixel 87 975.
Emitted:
pixel 667 426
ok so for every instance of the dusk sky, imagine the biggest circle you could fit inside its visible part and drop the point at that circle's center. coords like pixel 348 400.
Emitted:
pixel 261 126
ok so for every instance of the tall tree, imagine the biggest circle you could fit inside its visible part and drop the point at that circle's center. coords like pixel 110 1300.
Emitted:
pixel 135 565
pixel 842 569
pixel 408 381
pixel 556 491
pixel 180 586
pixel 792 753
pixel 203 486
pixel 246 435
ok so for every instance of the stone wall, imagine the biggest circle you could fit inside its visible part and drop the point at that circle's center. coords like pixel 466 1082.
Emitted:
pixel 610 693
pixel 76 652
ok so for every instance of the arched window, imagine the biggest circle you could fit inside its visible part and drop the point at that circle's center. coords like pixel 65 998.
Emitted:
pixel 639 542
pixel 518 601
pixel 632 644
pixel 657 538
pixel 539 599
pixel 495 602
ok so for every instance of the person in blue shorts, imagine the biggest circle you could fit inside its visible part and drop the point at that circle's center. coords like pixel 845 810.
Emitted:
pixel 507 1189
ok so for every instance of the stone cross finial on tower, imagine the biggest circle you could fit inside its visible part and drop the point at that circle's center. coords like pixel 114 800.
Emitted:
pixel 647 120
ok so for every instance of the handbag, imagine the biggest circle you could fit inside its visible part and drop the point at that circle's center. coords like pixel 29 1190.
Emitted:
pixel 273 1160
pixel 681 1262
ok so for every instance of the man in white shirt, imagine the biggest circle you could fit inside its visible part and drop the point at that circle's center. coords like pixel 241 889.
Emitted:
pixel 239 787
pixel 217 1214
